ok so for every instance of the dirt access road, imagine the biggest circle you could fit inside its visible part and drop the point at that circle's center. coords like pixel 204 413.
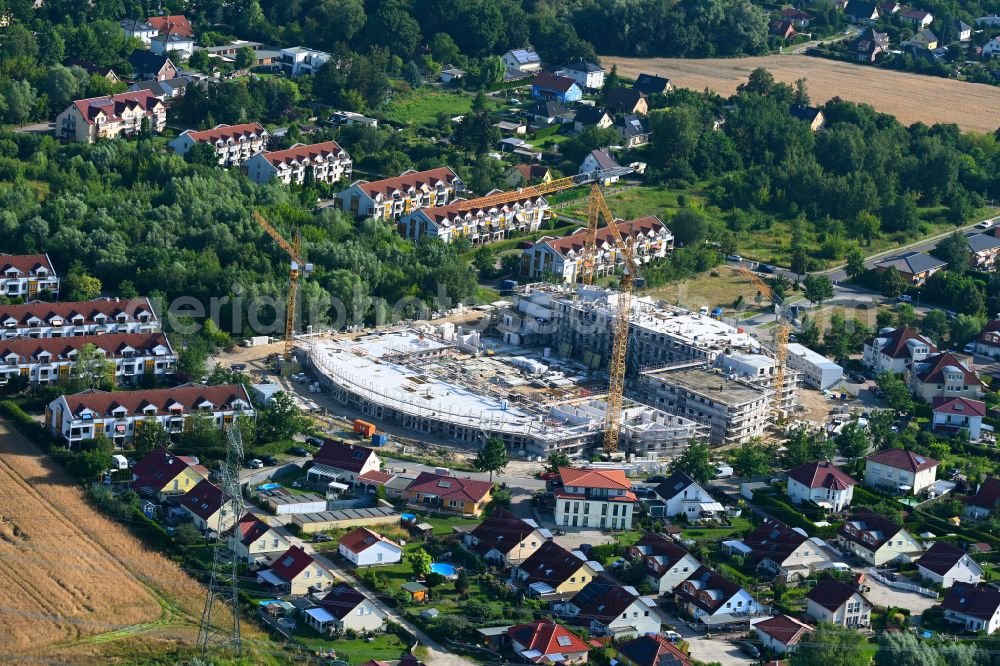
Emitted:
pixel 909 97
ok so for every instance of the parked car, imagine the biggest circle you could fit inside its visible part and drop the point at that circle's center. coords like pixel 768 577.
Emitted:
pixel 734 257
pixel 750 650
pixel 904 298
pixel 315 441
pixel 256 463
pixel 672 636
pixel 656 478
pixel 985 224
pixel 320 538
pixel 269 461
pixel 299 451
pixel 765 268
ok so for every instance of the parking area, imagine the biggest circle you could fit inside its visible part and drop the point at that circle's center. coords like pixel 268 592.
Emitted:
pixel 708 650
pixel 886 597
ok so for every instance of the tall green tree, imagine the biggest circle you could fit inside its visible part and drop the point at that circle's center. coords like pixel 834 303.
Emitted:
pixel 955 250
pixel 753 458
pixel 695 462
pixel 897 393
pixel 420 561
pixel 280 420
pixel 832 645
pixel 149 435
pixel 817 289
pixel 493 457
pixel 91 369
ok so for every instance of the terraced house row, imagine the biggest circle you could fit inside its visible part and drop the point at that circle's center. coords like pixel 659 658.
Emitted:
pixel 480 225
pixel 101 316
pixel 45 361
pixel 74 418
pixel 391 198
pixel 27 275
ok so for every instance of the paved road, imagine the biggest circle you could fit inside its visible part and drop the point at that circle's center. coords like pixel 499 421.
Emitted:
pixel 42 128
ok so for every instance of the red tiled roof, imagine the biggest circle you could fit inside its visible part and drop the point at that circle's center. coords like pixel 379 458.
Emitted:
pixel 172 25
pixel 896 340
pixel 450 487
pixel 204 500
pixel 68 309
pixel 157 468
pixel 653 650
pixel 958 406
pixel 113 105
pixel 350 457
pixel 291 563
pixel 630 229
pixel 931 369
pixel 25 263
pixel 531 171
pixel 547 81
pixel 187 396
pixel 416 180
pixel 301 152
pixel 773 541
pixel 376 476
pixel 786 630
pixel 901 459
pixel 941 558
pixel 111 343
pixel 609 479
pixel 226 132
pixel 251 528
pixel 822 475
pixel 547 637
pixel 460 208
pixel 362 539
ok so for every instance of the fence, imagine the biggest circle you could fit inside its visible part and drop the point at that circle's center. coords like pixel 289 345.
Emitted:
pixel 910 587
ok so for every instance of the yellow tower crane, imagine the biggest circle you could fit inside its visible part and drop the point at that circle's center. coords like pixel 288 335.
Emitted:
pixel 500 198
pixel 298 267
pixel 780 340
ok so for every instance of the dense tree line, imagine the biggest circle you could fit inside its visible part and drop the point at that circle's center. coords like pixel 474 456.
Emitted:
pixel 143 221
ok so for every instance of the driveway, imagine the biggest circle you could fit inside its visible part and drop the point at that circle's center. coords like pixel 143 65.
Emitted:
pixel 706 649
pixel 886 597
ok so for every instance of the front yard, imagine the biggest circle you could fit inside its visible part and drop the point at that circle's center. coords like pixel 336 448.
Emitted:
pixel 383 647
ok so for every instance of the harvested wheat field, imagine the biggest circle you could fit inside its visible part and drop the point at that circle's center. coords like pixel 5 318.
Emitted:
pixel 909 97
pixel 71 577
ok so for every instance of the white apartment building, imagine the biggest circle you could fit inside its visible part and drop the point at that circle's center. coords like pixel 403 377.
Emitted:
pixel 26 275
pixel 327 162
pixel 299 60
pixel 110 116
pixel 234 144
pixel 392 198
pixel 38 319
pixel 85 415
pixel 563 257
pixel 481 225
pixel 818 371
pixel 735 410
pixel 900 471
pixel 600 498
pixel 45 361
pixel 896 350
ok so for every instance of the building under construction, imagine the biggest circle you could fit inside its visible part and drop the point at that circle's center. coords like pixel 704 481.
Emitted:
pixel 442 382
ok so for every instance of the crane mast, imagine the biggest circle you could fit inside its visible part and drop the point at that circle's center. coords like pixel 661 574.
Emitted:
pixel 780 340
pixel 297 269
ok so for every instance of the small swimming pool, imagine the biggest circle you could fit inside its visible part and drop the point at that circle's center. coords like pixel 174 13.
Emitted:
pixel 443 568
pixel 407 517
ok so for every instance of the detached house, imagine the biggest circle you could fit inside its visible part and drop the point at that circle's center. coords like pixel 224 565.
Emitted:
pixel 296 572
pixel 798 18
pixel 553 570
pixel 943 375
pixel 449 494
pixel 589 75
pixel 651 650
pixel 161 474
pixel 27 275
pixel 876 540
pixel 954 415
pixel 632 131
pixel 563 257
pixel 809 114
pixel 522 60
pixel 667 563
pixel 915 267
pixel 345 609
pixel 343 462
pixel 984 501
pixel 900 471
pixel 521 175
pixel 300 60
pixel 85 415
pixel 839 603
pixel 918 18
pixel 988 341
pixel 822 483
pixel 983 250
pixel 592 116
pixel 713 599
pixel 682 495
pixel 325 162
pixel 868 45
pixel 253 539
pixel 781 28
pixel 365 548
pixel 172 25
pixel 601 498
pixel 974 607
pixel 144 31
pixel 606 608
pixel 110 117
pixel 546 642
pixel 152 66
pixel 650 84
pixel 861 11
pixel 392 198
pixel 627 101
pixel 599 159
pixel 481 224
pixel 204 504
pixel 233 144
pixel 38 319
pixel 506 538
pixel 781 633
pixel 45 361
pixel 559 88
pixel 784 551
pixel 165 44
pixel 946 565
pixel 896 350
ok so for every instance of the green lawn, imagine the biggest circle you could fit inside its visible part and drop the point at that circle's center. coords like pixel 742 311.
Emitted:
pixel 384 647
pixel 740 524
pixel 644 200
pixel 422 106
